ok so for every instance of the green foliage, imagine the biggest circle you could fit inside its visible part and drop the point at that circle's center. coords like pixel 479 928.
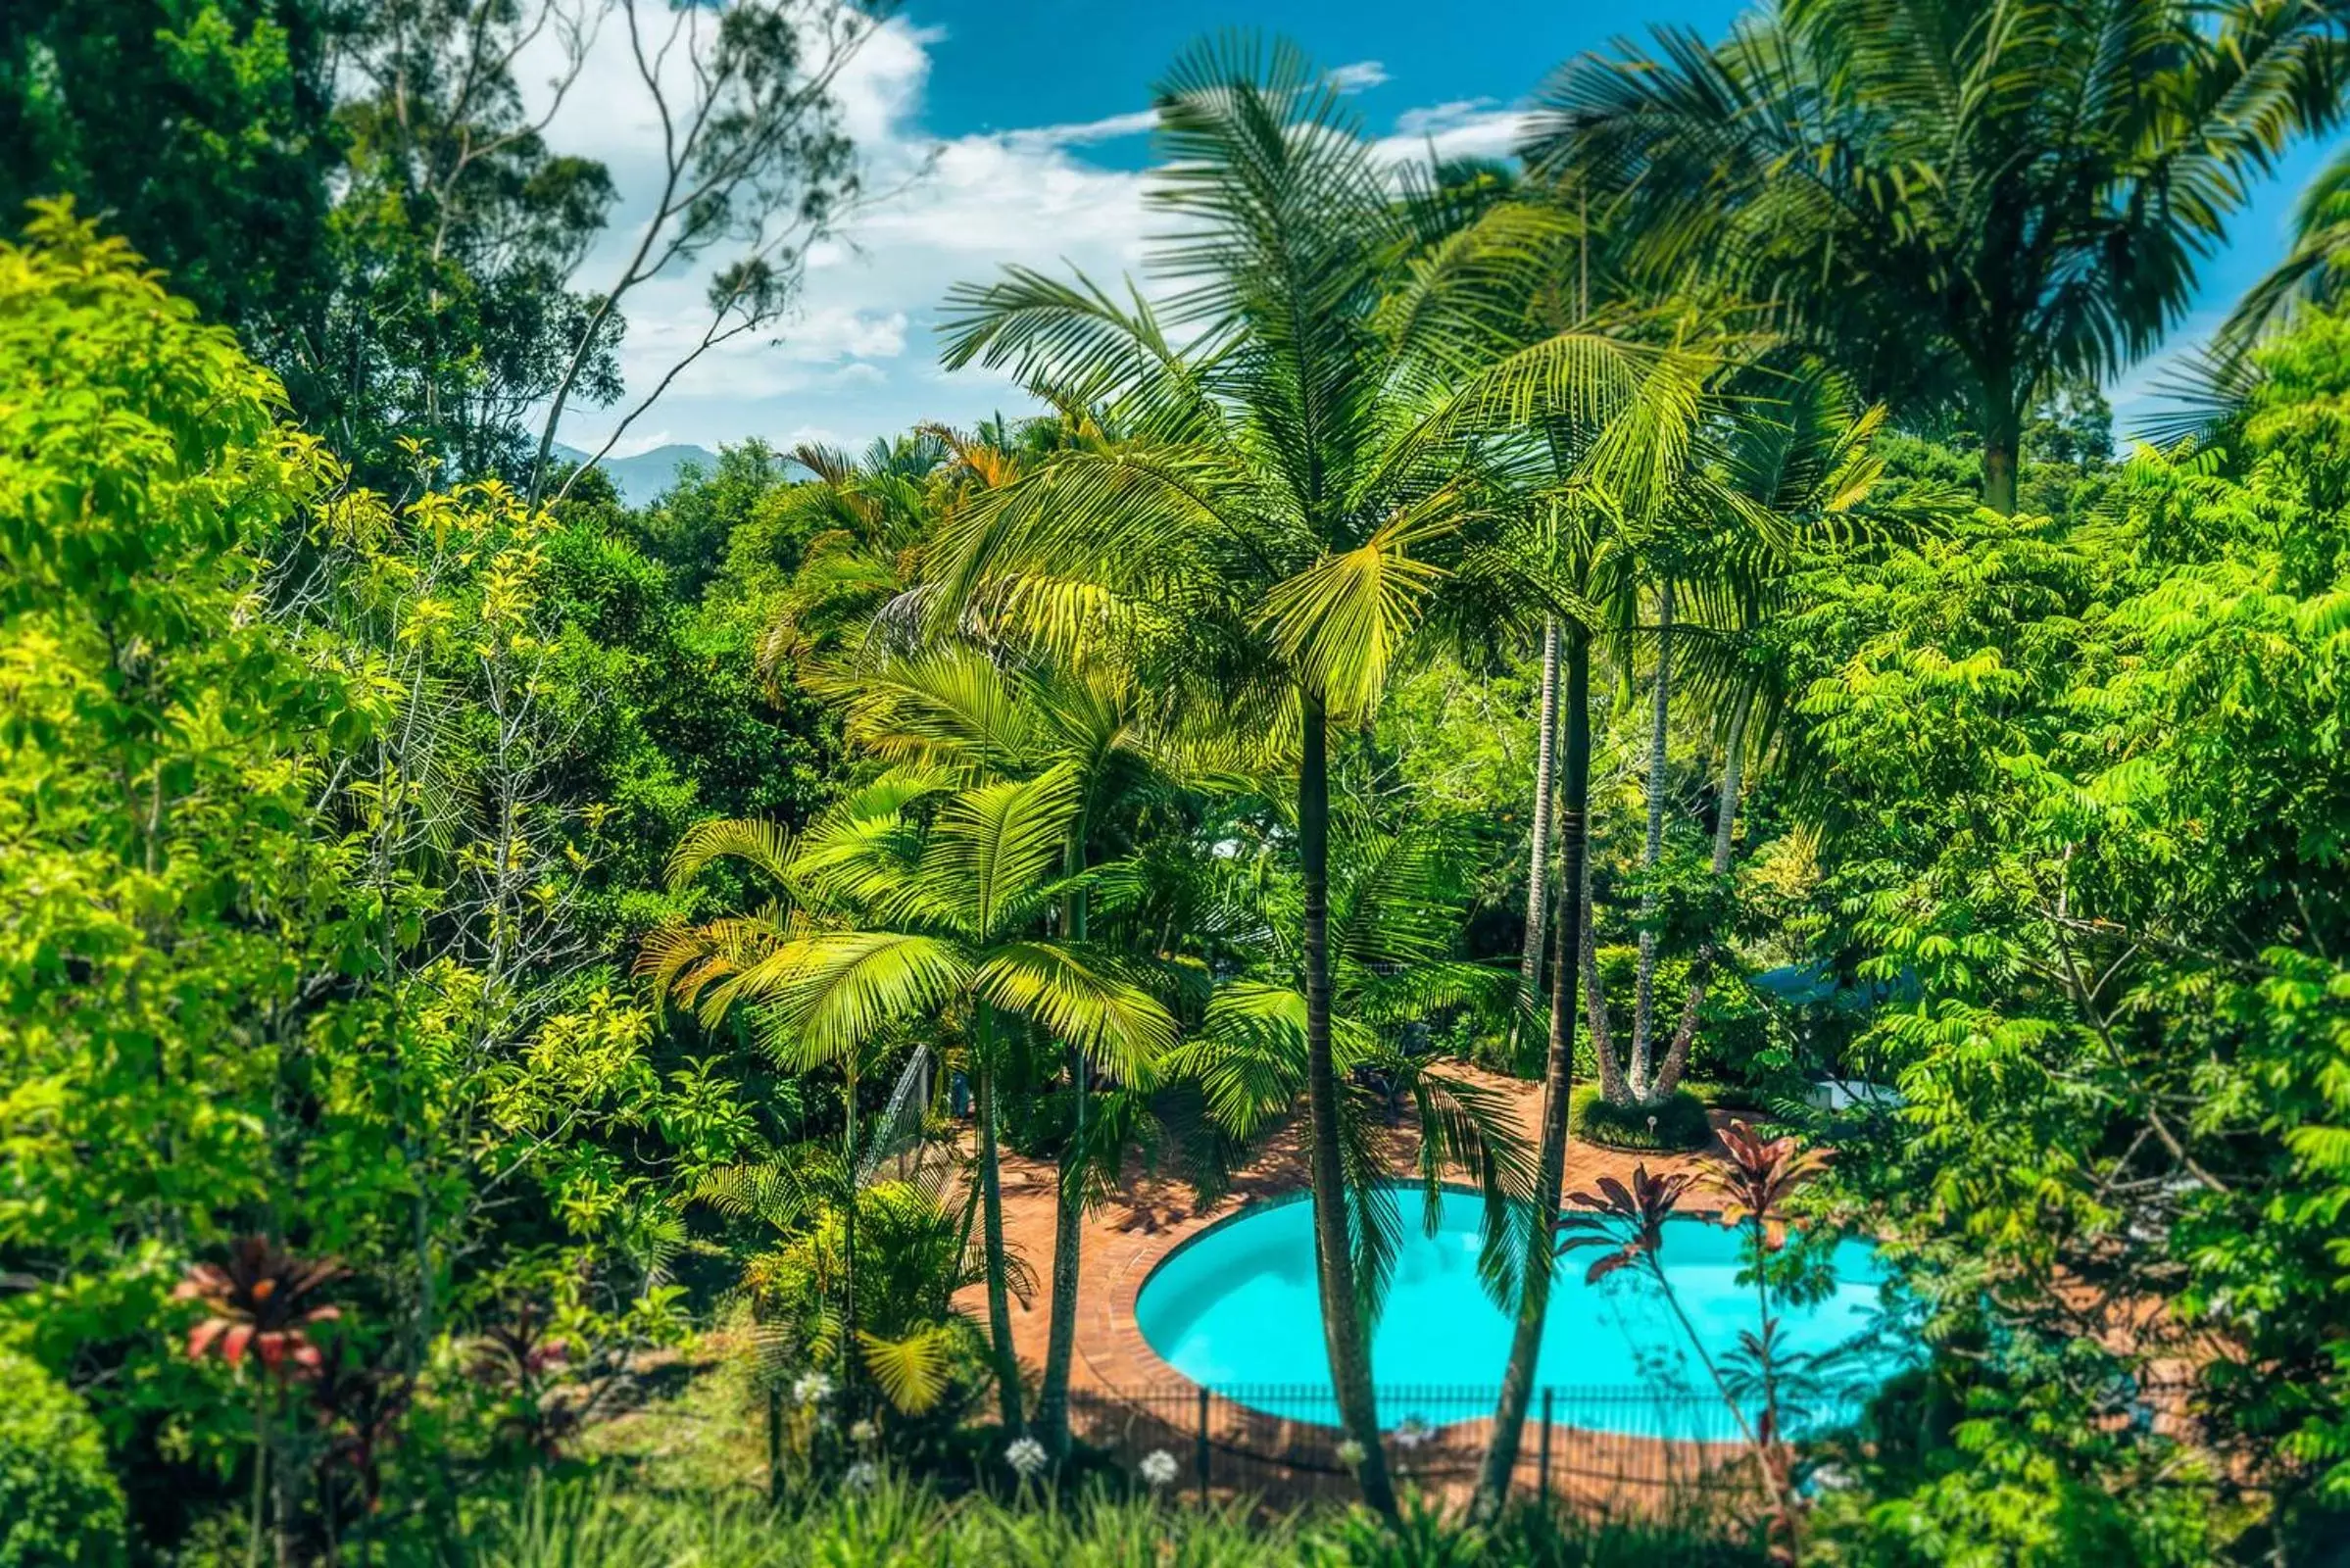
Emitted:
pixel 2086 159
pixel 59 1504
pixel 896 1524
pixel 306 882
pixel 1160 764
pixel 2087 795
pixel 1676 1122
pixel 203 128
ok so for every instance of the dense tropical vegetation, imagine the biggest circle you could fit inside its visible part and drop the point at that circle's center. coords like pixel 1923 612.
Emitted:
pixel 516 1010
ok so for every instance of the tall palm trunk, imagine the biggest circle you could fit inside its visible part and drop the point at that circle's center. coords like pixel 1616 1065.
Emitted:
pixel 1643 985
pixel 1069 1242
pixel 849 1239
pixel 1068 1214
pixel 1334 1255
pixel 1538 868
pixel 991 1219
pixel 1677 1056
pixel 2002 439
pixel 1612 1087
pixel 1558 1093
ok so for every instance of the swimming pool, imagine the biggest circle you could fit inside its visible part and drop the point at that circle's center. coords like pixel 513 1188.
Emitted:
pixel 1235 1308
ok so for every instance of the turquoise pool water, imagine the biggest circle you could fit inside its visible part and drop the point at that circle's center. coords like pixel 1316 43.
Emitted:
pixel 1236 1309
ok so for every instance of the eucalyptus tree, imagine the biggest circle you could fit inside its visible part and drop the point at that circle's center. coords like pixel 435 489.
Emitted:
pixel 1960 201
pixel 911 904
pixel 1270 520
pixel 755 166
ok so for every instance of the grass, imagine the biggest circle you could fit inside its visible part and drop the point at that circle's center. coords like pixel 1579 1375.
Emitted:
pixel 897 1523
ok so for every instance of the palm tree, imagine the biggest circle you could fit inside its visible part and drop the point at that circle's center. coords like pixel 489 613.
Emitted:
pixel 1724 483
pixel 2316 272
pixel 1261 530
pixel 897 918
pixel 1397 902
pixel 1785 470
pixel 959 709
pixel 916 1255
pixel 862 521
pixel 1960 200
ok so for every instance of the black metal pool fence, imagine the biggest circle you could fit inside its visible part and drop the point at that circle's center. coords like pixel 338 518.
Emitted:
pixel 1621 1451
pixel 1613 1450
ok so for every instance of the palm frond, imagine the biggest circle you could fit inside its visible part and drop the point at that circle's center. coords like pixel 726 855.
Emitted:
pixel 1077 1000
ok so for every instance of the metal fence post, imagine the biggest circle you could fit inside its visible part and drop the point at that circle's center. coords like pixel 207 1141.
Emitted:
pixel 1548 1394
pixel 1200 1454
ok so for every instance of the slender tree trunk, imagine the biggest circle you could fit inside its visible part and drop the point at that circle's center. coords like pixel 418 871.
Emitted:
pixel 991 1219
pixel 2002 437
pixel 261 1477
pixel 1643 985
pixel 1537 867
pixel 1333 1257
pixel 849 1243
pixel 1069 1242
pixel 1068 1216
pixel 1558 1094
pixel 1685 1035
pixel 1612 1087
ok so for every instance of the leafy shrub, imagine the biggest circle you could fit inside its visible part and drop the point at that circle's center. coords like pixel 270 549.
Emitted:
pixel 1679 1122
pixel 58 1502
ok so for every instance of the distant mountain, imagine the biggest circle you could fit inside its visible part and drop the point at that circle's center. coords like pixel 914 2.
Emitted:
pixel 645 476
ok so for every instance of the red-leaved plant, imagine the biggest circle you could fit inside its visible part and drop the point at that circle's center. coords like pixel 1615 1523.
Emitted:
pixel 259 1302
pixel 1631 1220
pixel 1759 1174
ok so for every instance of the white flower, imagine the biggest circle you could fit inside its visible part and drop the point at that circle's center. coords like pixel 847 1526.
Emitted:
pixel 863 1432
pixel 1158 1467
pixel 861 1476
pixel 1413 1432
pixel 1026 1455
pixel 1351 1453
pixel 810 1388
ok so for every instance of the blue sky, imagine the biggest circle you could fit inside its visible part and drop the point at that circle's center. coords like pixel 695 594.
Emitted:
pixel 1014 132
pixel 1102 58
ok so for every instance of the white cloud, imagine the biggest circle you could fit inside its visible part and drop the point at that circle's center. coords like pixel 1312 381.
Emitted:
pixel 634 444
pixel 858 345
pixel 1465 128
pixel 1442 117
pixel 858 356
pixel 1109 129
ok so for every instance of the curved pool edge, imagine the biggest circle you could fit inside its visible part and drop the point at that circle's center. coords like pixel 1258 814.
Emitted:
pixel 1136 1364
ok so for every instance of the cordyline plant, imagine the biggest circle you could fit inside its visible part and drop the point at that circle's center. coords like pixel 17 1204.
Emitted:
pixel 258 1303
pixel 261 1303
pixel 520 1357
pixel 1757 1176
pixel 359 1403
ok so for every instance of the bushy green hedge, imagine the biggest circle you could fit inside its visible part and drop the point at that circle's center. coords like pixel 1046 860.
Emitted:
pixel 1680 1122
pixel 59 1504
